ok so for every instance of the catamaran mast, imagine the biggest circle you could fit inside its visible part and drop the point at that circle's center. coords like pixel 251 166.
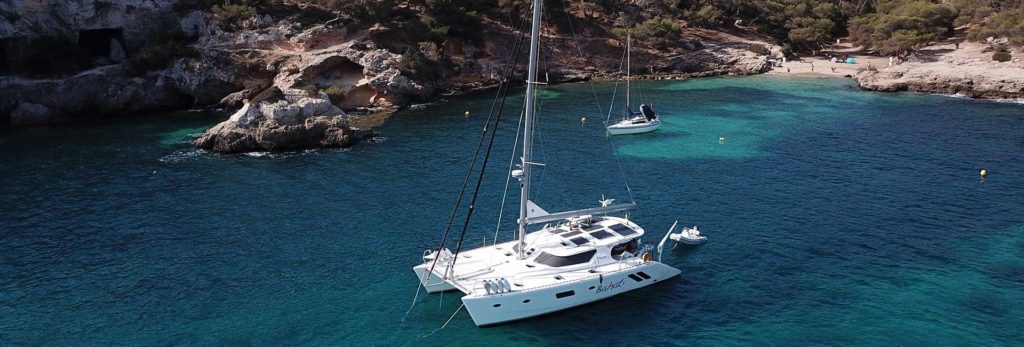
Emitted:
pixel 531 83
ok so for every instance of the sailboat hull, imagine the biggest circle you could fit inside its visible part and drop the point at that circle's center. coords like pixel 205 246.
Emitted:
pixel 515 305
pixel 625 129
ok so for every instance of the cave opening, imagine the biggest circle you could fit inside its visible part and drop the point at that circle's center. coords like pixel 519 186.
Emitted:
pixel 99 41
pixel 5 65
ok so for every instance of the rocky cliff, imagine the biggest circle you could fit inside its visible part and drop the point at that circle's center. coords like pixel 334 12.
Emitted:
pixel 291 45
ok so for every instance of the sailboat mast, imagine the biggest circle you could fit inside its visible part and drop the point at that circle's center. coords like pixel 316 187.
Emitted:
pixel 628 48
pixel 531 84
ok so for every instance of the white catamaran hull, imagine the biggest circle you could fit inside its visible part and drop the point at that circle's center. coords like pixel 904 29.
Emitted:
pixel 434 283
pixel 625 129
pixel 506 307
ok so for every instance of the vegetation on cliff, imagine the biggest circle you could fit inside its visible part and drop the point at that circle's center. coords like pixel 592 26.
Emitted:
pixel 158 54
pixel 890 26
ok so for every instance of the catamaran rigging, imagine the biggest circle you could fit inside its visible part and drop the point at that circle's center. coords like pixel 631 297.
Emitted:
pixel 579 259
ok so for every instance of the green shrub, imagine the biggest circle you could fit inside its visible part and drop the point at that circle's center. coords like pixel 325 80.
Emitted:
pixel 1002 56
pixel 707 16
pixel 311 91
pixel 270 95
pixel 901 26
pixel 658 32
pixel 419 66
pixel 366 11
pixel 809 32
pixel 759 49
pixel 185 6
pixel 336 93
pixel 1009 23
pixel 310 15
pixel 229 16
pixel 458 17
pixel 158 54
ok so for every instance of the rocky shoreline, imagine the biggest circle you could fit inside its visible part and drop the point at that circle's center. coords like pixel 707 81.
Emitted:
pixel 954 67
pixel 969 72
pixel 378 66
pixel 342 62
pixel 964 69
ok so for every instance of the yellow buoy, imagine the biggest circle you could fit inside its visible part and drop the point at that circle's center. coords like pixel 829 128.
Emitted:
pixel 984 173
pixel 467 114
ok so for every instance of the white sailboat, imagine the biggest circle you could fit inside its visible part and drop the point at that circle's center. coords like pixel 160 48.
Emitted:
pixel 634 122
pixel 577 257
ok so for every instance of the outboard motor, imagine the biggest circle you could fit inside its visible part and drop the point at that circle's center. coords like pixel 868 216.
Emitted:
pixel 648 112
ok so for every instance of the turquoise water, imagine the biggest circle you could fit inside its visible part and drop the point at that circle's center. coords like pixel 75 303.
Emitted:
pixel 836 217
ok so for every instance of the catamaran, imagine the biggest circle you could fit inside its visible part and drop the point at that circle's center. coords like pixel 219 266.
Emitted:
pixel 576 257
pixel 634 122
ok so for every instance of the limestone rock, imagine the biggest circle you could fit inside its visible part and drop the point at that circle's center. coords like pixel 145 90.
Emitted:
pixel 281 126
pixel 206 78
pixel 102 91
pixel 281 112
pixel 976 79
pixel 32 114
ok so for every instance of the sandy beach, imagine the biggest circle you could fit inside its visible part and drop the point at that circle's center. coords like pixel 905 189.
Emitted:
pixel 821 65
pixel 951 66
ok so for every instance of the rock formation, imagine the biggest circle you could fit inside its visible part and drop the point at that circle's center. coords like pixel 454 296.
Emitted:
pixel 968 71
pixel 102 91
pixel 294 122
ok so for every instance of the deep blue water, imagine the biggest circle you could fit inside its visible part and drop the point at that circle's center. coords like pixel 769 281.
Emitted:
pixel 836 217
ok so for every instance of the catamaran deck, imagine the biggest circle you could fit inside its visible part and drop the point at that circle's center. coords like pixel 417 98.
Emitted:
pixel 554 255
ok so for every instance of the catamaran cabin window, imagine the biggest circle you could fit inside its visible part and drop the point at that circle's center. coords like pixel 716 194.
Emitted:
pixel 557 261
pixel 624 247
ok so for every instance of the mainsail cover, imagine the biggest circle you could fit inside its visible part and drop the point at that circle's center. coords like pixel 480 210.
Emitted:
pixel 548 217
